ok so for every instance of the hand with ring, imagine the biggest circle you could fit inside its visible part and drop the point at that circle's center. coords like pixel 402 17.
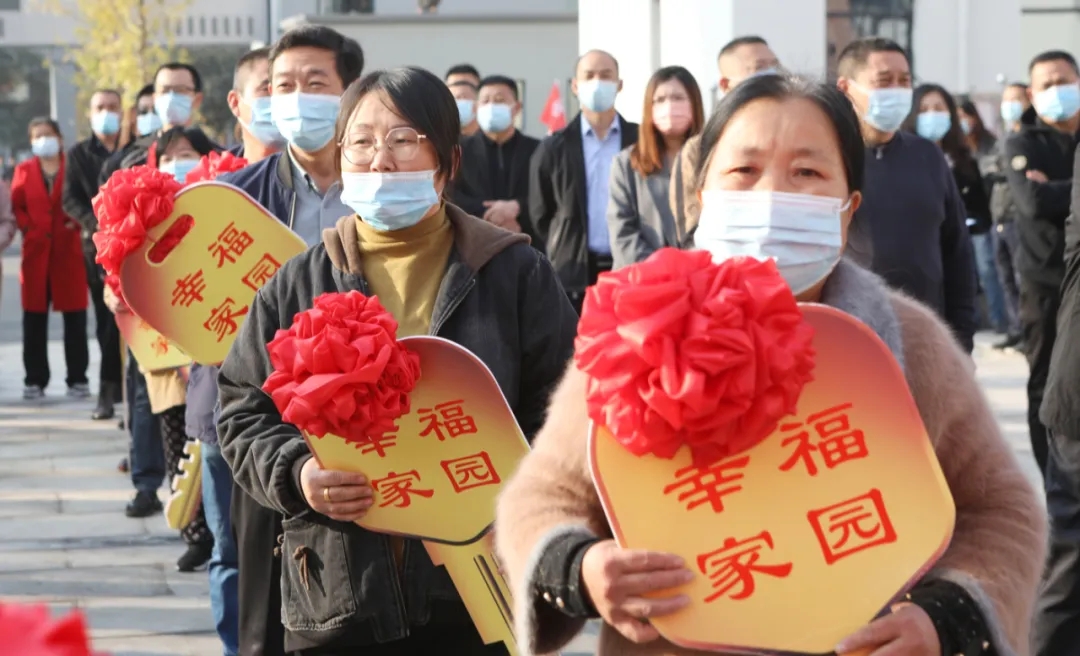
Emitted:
pixel 619 582
pixel 344 496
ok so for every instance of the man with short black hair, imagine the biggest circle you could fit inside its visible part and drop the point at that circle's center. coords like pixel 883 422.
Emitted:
pixel 310 67
pixel 571 226
pixel 249 102
pixel 912 215
pixel 1041 165
pixel 146 120
pixel 178 94
pixel 741 58
pixel 464 83
pixel 494 179
pixel 82 172
pixel 744 57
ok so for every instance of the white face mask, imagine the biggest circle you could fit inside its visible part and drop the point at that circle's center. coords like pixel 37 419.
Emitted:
pixel 800 231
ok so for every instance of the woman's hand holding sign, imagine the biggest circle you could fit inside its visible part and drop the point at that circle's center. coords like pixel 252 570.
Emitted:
pixel 618 582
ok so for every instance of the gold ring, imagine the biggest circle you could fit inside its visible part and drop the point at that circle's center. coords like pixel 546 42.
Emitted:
pixel 326 494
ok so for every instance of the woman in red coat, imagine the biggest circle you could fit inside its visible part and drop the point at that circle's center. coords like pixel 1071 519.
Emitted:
pixel 52 264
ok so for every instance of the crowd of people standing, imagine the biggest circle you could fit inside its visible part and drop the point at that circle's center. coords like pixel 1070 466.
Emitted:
pixel 930 201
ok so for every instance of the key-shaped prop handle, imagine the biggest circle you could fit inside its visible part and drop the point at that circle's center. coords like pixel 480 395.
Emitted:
pixel 437 476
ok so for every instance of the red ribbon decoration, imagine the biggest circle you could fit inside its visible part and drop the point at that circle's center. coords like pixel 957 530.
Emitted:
pixel 682 351
pixel 340 370
pixel 213 165
pixel 31 631
pixel 128 205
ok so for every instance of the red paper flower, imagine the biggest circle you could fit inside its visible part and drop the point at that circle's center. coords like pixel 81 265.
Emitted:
pixel 339 369
pixel 680 350
pixel 31 631
pixel 213 165
pixel 132 202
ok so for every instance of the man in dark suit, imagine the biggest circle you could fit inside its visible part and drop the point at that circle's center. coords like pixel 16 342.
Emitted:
pixel 569 174
pixel 494 178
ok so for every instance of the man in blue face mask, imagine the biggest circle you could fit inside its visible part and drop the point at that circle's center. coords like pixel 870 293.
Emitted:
pixel 310 67
pixel 493 182
pixel 249 102
pixel 571 225
pixel 81 176
pixel 1041 172
pixel 912 212
pixel 463 80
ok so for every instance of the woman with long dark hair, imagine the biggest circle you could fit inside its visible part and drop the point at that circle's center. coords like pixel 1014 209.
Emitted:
pixel 177 151
pixel 639 214
pixel 934 117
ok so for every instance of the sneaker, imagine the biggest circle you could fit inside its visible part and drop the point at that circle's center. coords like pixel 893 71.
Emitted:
pixel 33 392
pixel 1012 341
pixel 79 391
pixel 195 558
pixel 144 504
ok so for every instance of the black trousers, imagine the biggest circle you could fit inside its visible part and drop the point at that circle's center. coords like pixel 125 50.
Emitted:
pixel 259 580
pixel 1038 321
pixel 427 640
pixel 598 264
pixel 1057 616
pixel 108 335
pixel 36 348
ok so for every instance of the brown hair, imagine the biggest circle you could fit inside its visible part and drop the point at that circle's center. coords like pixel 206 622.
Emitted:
pixel 647 155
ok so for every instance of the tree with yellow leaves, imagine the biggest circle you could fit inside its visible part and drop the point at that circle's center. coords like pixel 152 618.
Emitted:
pixel 120 43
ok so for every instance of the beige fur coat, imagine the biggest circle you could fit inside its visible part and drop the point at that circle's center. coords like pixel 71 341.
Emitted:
pixel 999 545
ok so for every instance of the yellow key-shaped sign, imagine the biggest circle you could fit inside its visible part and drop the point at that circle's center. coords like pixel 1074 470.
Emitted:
pixel 845 497
pixel 153 351
pixel 199 294
pixel 438 475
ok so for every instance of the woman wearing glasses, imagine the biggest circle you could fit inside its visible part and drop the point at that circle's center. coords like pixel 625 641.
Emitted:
pixel 438 271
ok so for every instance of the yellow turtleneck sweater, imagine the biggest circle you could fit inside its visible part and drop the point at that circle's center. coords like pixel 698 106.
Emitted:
pixel 404 268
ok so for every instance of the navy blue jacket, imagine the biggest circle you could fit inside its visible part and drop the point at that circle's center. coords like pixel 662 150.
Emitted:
pixel 270 183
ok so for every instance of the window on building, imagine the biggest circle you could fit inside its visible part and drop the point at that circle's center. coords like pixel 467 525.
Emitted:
pixel 351 6
pixel 251 26
pixel 854 19
pixel 9 5
pixel 225 22
pixel 239 26
pixel 213 26
pixel 178 27
pixel 191 26
pixel 202 25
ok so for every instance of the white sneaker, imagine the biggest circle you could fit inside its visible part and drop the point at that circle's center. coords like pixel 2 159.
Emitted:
pixel 79 391
pixel 33 393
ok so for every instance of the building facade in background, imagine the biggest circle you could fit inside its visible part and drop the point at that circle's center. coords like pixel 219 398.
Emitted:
pixel 968 46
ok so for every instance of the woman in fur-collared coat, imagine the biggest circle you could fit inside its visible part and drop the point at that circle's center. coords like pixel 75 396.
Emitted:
pixel 773 134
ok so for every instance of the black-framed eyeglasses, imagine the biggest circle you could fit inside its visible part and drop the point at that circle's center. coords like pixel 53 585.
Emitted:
pixel 359 148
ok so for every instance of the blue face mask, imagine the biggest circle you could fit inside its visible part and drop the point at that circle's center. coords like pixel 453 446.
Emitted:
pixel 933 125
pixel 1058 103
pixel 306 120
pixel 179 168
pixel 389 201
pixel 148 123
pixel 174 108
pixel 262 124
pixel 597 95
pixel 465 110
pixel 45 146
pixel 1011 111
pixel 887 108
pixel 495 117
pixel 105 123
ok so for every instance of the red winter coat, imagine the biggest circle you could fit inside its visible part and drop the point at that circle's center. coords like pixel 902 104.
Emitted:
pixel 52 255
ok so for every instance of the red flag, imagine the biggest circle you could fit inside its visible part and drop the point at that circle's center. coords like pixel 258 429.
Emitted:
pixel 554 114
